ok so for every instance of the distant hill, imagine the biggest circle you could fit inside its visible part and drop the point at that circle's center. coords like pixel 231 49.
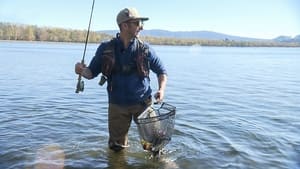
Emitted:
pixel 195 35
pixel 188 35
pixel 287 39
pixel 209 35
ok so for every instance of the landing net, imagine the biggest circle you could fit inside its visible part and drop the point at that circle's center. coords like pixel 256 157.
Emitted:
pixel 155 126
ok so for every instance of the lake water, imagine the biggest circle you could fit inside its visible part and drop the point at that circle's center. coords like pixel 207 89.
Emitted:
pixel 236 108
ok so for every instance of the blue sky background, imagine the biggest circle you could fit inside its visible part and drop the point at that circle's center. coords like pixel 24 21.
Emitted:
pixel 248 18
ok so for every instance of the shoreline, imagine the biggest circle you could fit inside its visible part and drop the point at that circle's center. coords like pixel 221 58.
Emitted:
pixel 63 42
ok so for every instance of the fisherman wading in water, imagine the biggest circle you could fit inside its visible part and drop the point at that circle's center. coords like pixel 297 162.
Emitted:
pixel 125 63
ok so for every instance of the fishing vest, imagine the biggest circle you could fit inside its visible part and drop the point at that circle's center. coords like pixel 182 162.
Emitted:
pixel 109 65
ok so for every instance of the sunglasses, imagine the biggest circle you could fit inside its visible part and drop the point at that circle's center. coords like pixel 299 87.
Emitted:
pixel 137 23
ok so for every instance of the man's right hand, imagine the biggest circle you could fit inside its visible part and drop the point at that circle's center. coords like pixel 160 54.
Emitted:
pixel 79 68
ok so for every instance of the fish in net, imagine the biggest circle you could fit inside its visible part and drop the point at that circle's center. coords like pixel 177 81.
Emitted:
pixel 155 127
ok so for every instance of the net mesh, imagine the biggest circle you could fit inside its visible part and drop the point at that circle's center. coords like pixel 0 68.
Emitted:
pixel 155 126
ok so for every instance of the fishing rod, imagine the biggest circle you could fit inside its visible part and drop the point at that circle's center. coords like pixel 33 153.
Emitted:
pixel 80 82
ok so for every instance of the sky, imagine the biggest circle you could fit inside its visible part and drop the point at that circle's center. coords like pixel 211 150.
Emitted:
pixel 248 18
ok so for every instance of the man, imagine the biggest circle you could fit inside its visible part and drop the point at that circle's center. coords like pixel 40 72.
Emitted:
pixel 125 63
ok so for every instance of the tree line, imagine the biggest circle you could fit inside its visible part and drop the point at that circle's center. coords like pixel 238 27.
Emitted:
pixel 10 31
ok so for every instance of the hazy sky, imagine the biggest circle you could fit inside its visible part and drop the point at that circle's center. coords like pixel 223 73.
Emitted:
pixel 249 18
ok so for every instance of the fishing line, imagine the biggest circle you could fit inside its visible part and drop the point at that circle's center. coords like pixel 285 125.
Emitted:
pixel 80 83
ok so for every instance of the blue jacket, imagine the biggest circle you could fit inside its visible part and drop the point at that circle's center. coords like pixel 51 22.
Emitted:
pixel 127 89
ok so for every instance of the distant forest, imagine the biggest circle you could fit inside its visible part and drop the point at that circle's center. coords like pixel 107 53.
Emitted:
pixel 10 31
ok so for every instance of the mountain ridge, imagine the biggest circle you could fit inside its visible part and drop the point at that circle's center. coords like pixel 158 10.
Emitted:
pixel 209 35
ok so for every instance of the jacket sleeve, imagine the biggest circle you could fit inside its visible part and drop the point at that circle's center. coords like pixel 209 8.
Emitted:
pixel 156 65
pixel 95 64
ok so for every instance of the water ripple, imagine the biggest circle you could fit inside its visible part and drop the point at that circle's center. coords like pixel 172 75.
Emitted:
pixel 236 108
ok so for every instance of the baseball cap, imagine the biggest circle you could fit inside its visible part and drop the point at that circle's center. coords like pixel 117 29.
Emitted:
pixel 127 14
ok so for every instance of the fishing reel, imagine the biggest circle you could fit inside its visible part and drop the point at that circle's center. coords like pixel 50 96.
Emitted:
pixel 80 86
